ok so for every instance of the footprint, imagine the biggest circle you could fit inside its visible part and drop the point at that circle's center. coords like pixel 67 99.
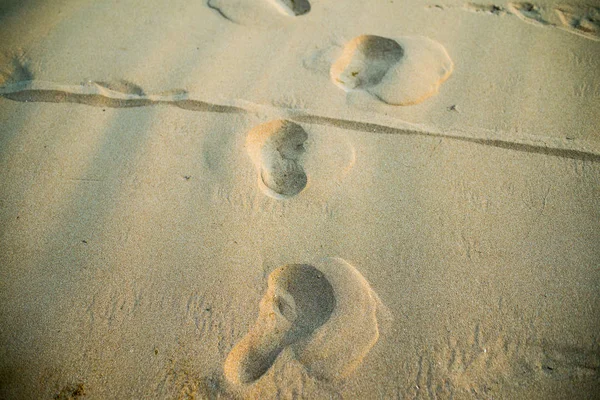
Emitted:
pixel 528 12
pixel 298 301
pixel 580 20
pixel 14 69
pixel 485 8
pixel 292 8
pixel 263 13
pixel 365 61
pixel 276 149
pixel 326 313
pixel 398 72
pixel 583 21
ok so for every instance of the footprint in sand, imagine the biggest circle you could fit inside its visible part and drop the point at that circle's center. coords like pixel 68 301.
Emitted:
pixel 258 13
pixel 581 20
pixel 528 12
pixel 492 9
pixel 404 71
pixel 276 148
pixel 325 313
pixel 292 7
pixel 14 69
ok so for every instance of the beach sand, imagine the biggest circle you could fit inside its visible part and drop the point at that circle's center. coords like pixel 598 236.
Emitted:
pixel 277 199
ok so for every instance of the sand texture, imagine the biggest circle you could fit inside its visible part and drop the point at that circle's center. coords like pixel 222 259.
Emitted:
pixel 299 199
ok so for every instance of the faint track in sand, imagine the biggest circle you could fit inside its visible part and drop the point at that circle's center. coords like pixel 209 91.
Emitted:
pixel 100 95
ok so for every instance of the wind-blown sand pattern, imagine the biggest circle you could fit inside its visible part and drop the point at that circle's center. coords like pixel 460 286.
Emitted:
pixel 327 313
pixel 398 72
pixel 138 237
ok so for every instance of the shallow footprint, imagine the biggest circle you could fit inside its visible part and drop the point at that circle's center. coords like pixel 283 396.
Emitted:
pixel 14 69
pixel 399 72
pixel 292 7
pixel 528 12
pixel 276 149
pixel 583 21
pixel 326 313
pixel 263 13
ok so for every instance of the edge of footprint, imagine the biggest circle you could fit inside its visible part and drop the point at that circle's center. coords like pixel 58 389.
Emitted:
pixel 415 80
pixel 328 354
pixel 269 134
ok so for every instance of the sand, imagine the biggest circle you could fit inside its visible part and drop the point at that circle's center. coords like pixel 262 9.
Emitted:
pixel 277 199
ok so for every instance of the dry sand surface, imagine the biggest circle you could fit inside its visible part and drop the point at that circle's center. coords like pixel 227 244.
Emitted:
pixel 299 199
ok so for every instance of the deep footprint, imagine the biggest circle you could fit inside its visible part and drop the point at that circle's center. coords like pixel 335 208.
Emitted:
pixel 399 72
pixel 335 350
pixel 298 301
pixel 276 149
pixel 326 313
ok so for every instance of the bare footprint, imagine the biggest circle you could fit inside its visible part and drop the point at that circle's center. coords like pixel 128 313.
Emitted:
pixel 399 72
pixel 365 61
pixel 299 300
pixel 263 13
pixel 276 149
pixel 335 350
pixel 325 313
pixel 292 7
